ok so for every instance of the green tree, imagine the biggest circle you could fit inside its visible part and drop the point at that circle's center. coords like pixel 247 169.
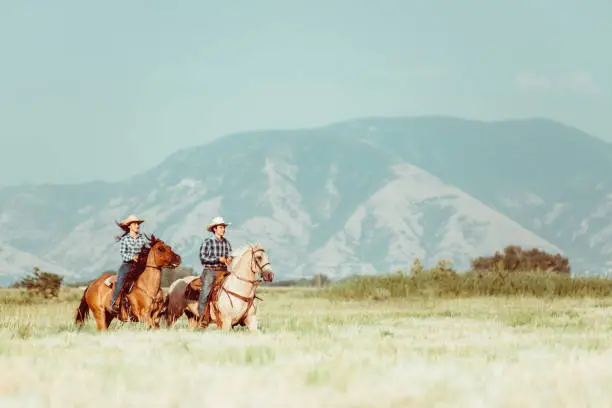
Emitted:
pixel 514 258
pixel 45 284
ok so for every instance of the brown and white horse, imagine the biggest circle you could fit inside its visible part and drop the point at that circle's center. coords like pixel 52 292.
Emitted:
pixel 232 295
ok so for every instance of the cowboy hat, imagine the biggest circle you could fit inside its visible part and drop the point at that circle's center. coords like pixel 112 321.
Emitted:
pixel 217 221
pixel 130 219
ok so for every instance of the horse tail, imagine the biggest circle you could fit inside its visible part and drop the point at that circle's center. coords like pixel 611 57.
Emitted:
pixel 82 312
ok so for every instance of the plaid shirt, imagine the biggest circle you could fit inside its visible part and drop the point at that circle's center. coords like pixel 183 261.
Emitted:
pixel 130 247
pixel 212 249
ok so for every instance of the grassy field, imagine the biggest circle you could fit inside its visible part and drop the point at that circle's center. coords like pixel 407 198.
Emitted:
pixel 314 351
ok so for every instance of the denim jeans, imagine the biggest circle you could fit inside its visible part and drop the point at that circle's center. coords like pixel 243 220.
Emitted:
pixel 208 277
pixel 123 270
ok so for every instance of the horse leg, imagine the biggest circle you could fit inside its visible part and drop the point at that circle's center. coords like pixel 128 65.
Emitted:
pixel 251 321
pixel 226 323
pixel 155 322
pixel 149 315
pixel 108 318
pixel 142 309
pixel 155 318
pixel 192 319
pixel 171 318
pixel 145 316
pixel 100 316
pixel 159 305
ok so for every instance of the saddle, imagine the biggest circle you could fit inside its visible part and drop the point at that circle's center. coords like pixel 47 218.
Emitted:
pixel 125 312
pixel 128 285
pixel 194 288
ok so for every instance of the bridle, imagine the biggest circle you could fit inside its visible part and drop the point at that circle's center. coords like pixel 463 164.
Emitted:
pixel 255 282
pixel 159 268
pixel 254 262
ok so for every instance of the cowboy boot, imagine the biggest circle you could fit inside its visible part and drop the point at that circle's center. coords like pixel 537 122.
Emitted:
pixel 116 307
pixel 205 317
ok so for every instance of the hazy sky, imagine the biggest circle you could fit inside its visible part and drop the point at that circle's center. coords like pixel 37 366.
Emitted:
pixel 104 90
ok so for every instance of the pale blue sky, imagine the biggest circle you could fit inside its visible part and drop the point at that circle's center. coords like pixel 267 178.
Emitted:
pixel 138 80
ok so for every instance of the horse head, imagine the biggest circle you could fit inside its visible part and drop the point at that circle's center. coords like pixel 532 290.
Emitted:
pixel 252 259
pixel 163 255
pixel 260 263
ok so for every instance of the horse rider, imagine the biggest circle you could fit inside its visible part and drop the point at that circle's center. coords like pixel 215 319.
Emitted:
pixel 131 243
pixel 215 256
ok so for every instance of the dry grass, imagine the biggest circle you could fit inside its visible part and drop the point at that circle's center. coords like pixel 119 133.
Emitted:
pixel 316 351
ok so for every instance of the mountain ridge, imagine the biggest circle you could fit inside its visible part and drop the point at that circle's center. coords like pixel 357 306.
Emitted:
pixel 299 190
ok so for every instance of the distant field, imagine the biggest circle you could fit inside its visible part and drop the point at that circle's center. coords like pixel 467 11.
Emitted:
pixel 317 352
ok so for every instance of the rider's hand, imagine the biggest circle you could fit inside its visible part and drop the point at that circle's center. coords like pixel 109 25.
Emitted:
pixel 222 259
pixel 229 260
pixel 136 258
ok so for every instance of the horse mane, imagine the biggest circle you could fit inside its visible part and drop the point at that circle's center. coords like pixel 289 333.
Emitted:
pixel 139 266
pixel 238 253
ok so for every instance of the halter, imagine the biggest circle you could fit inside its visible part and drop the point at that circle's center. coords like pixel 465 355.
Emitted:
pixel 249 300
pixel 255 263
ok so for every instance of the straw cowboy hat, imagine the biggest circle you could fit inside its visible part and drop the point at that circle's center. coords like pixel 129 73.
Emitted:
pixel 130 219
pixel 217 221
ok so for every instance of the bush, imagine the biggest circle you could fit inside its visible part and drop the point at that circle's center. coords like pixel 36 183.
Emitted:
pixel 169 275
pixel 516 258
pixel 45 284
pixel 320 280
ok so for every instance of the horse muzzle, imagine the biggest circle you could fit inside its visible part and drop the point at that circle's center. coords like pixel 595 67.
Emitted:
pixel 176 261
pixel 267 274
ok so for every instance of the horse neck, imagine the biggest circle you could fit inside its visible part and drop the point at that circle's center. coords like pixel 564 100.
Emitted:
pixel 243 270
pixel 150 278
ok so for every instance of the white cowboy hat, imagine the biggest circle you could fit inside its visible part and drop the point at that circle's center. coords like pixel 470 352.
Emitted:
pixel 130 219
pixel 217 221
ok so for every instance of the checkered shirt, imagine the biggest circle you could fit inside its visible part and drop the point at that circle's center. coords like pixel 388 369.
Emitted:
pixel 130 247
pixel 212 249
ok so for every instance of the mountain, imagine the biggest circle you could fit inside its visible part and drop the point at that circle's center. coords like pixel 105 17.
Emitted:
pixel 360 196
pixel 13 260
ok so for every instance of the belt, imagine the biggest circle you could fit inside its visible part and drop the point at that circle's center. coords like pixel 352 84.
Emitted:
pixel 216 267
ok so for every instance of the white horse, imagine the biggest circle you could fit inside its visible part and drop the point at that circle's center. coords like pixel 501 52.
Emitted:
pixel 232 294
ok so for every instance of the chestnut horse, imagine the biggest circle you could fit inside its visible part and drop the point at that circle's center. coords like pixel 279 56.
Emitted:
pixel 232 295
pixel 141 299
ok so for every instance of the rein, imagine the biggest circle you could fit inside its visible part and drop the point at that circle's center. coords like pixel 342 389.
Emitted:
pixel 159 268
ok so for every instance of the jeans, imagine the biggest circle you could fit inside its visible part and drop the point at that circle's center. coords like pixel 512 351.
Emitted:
pixel 123 270
pixel 208 277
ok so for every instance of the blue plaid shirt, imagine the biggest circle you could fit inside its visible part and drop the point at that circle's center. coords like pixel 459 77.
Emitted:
pixel 130 247
pixel 212 249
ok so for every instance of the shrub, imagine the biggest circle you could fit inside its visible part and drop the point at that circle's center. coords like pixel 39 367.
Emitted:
pixel 169 275
pixel 45 284
pixel 516 258
pixel 320 280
